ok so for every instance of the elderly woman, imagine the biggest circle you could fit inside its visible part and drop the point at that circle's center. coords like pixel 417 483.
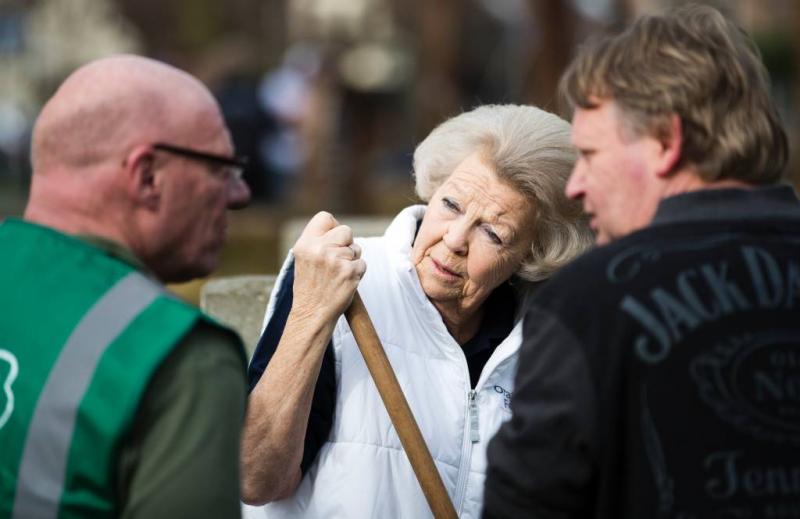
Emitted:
pixel 445 287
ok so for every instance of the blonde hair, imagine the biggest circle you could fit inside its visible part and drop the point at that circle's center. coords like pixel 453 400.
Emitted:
pixel 698 65
pixel 528 148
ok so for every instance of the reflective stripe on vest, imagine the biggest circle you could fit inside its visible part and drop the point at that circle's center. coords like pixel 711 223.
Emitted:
pixel 40 481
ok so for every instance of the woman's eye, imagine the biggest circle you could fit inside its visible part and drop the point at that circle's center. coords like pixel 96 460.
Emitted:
pixel 494 237
pixel 450 204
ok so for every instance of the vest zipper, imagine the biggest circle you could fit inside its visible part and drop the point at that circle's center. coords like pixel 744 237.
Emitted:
pixel 473 420
pixel 474 431
pixel 466 450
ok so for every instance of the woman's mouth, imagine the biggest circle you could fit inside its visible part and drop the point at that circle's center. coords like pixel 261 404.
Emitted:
pixel 444 271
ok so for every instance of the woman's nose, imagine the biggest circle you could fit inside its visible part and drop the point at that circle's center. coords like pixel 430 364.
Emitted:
pixel 456 237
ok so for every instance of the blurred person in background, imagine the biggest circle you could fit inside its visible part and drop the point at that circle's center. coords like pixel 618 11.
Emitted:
pixel 445 288
pixel 652 378
pixel 120 400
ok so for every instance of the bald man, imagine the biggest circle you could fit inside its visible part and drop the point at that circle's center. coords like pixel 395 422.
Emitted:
pixel 117 399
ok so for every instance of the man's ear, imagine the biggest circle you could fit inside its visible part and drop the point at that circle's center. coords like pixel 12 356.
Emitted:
pixel 671 139
pixel 142 183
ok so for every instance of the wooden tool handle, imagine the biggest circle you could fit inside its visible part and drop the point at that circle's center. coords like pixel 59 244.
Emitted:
pixel 397 406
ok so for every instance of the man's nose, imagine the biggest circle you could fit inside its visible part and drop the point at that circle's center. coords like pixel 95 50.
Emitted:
pixel 575 186
pixel 238 193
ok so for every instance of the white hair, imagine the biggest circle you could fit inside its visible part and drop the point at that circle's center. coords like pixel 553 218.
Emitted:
pixel 530 149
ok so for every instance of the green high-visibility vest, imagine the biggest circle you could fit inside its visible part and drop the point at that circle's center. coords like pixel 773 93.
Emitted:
pixel 81 335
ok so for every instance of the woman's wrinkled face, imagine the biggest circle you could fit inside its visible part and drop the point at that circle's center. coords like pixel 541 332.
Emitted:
pixel 476 231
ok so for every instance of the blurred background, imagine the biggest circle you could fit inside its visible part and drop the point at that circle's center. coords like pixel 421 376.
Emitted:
pixel 329 97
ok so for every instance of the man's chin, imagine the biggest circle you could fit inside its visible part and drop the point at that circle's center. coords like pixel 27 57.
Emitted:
pixel 188 272
pixel 601 239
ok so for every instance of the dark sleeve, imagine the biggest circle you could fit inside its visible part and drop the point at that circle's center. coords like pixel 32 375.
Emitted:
pixel 323 405
pixel 540 461
pixel 181 458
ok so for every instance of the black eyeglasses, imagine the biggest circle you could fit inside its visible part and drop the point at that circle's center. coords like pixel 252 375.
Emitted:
pixel 234 165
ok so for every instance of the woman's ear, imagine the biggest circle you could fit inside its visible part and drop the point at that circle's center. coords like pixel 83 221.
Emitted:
pixel 142 183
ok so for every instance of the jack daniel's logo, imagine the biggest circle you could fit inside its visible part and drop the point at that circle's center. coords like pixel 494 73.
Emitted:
pixel 753 383
pixel 707 293
pixel 729 476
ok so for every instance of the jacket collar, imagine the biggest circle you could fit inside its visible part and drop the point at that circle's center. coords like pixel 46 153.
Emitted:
pixel 729 204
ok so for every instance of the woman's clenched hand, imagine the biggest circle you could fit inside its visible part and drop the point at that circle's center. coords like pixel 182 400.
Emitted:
pixel 328 268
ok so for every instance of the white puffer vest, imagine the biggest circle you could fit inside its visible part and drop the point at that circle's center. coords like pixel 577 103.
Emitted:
pixel 362 471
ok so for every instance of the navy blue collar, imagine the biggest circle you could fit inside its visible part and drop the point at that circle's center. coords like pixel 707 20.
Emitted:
pixel 497 321
pixel 729 204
